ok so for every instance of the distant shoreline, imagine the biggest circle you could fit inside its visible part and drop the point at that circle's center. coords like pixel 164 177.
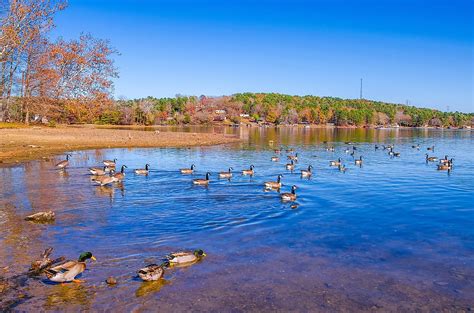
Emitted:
pixel 21 144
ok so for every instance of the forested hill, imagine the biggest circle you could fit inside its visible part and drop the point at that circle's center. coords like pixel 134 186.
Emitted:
pixel 286 109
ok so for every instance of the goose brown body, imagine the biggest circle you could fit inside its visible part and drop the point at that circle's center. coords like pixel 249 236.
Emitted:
pixel 250 171
pixel 289 196
pixel 201 181
pixel 188 170
pixel 273 184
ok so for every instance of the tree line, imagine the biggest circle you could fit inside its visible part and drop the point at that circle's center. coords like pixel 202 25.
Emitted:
pixel 274 108
pixel 66 80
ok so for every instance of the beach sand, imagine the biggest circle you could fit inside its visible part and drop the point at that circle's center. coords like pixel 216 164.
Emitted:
pixel 24 144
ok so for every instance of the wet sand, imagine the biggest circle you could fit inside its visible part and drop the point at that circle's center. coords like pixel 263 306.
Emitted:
pixel 25 144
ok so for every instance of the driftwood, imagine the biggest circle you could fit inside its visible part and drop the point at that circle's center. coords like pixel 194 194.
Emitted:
pixel 38 266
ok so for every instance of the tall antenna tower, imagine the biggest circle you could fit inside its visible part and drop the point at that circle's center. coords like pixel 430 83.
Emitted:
pixel 361 88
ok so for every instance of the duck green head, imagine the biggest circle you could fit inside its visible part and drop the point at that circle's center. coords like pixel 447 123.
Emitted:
pixel 199 253
pixel 85 256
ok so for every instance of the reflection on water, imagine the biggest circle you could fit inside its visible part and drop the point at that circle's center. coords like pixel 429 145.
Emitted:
pixel 389 235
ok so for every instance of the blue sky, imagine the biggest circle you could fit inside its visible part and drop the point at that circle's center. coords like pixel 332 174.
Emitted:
pixel 421 51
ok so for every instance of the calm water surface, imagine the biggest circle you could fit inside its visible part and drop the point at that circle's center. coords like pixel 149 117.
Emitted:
pixel 395 234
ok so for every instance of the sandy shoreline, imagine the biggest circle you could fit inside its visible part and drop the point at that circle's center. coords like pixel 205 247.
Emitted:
pixel 24 144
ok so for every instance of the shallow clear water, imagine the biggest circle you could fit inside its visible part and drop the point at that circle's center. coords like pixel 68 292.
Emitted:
pixel 395 234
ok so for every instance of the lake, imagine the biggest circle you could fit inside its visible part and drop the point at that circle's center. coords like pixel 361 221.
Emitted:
pixel 394 234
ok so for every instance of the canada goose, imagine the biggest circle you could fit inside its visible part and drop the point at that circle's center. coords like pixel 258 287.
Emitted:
pixel 290 166
pixel 376 147
pixel 201 181
pixel 445 160
pixel 349 143
pixel 143 171
pixel 120 175
pixel 68 271
pixel 352 153
pixel 110 163
pixel 347 150
pixel 416 146
pixel 359 161
pixel 63 164
pixel 249 171
pixel 293 157
pixel 274 184
pixel 275 159
pixel 445 166
pixel 227 174
pixel 105 180
pixel 430 159
pixel 289 150
pixel 153 272
pixel 331 149
pixel 432 148
pixel 396 154
pixel 185 258
pixel 98 171
pixel 342 168
pixel 188 170
pixel 335 163
pixel 308 172
pixel 289 196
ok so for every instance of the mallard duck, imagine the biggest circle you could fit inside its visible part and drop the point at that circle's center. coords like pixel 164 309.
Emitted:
pixel 188 170
pixel 289 150
pixel 416 147
pixel 63 164
pixel 143 171
pixel 98 171
pixel 201 181
pixel 275 159
pixel 290 166
pixel 227 174
pixel 110 163
pixel 153 272
pixel 41 217
pixel 359 161
pixel 335 163
pixel 293 157
pixel 430 159
pixel 308 172
pixel 250 171
pixel 68 271
pixel 289 196
pixel 120 175
pixel 274 184
pixel 185 258
pixel 432 148
pixel 277 151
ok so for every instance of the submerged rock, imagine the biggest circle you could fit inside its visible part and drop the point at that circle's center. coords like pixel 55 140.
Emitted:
pixel 42 217
pixel 111 280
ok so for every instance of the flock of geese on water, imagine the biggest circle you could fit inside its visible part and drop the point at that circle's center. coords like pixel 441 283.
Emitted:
pixel 107 174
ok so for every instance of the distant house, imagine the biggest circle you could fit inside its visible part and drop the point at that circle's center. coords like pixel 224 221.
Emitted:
pixel 219 111
pixel 245 115
pixel 219 118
